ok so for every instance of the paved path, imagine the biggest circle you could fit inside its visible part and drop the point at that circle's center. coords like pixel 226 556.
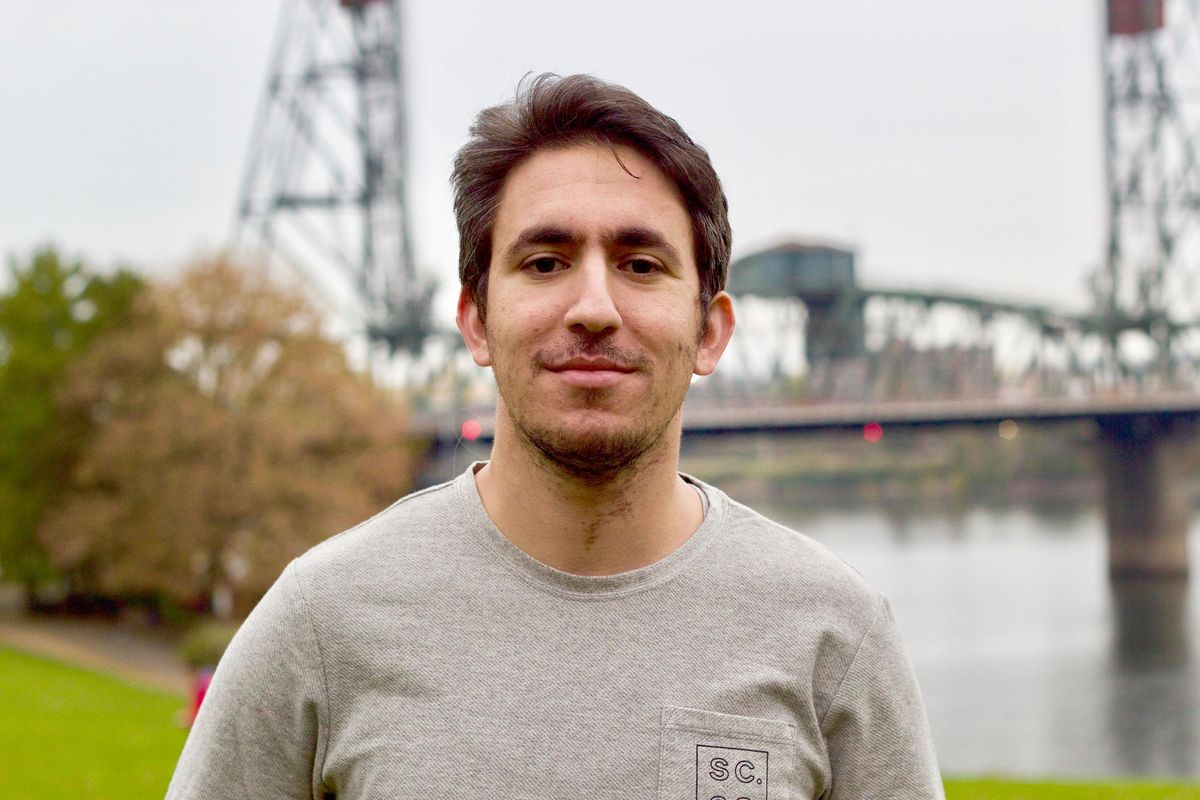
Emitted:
pixel 141 656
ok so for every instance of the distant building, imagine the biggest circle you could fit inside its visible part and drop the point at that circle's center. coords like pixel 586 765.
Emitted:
pixel 840 367
pixel 820 276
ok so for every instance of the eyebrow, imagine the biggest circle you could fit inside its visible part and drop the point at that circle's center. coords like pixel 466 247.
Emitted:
pixel 630 237
pixel 640 237
pixel 541 235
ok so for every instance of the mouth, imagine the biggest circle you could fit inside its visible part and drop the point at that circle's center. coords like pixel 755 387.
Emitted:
pixel 590 373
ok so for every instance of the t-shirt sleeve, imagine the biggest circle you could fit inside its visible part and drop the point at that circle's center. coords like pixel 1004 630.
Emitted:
pixel 876 732
pixel 260 730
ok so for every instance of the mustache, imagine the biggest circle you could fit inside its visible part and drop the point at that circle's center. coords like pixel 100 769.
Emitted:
pixel 549 357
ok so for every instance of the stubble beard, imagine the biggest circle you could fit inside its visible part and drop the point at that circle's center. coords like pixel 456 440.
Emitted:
pixel 596 456
pixel 593 458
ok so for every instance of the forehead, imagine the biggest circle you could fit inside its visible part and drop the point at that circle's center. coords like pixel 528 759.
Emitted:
pixel 589 188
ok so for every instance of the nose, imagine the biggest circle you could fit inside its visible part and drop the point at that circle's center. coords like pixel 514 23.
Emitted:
pixel 592 308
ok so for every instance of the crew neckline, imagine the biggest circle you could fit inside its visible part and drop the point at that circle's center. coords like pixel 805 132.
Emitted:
pixel 591 586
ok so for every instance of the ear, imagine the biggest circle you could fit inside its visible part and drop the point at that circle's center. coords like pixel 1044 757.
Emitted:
pixel 716 337
pixel 470 325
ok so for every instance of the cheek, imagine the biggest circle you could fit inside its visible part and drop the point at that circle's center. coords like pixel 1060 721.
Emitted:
pixel 523 311
pixel 676 323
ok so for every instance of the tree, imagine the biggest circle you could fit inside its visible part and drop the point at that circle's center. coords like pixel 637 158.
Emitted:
pixel 232 435
pixel 49 316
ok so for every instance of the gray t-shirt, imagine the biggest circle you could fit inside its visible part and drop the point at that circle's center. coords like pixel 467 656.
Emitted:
pixel 422 654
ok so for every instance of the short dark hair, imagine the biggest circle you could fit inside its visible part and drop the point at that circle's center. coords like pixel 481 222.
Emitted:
pixel 549 111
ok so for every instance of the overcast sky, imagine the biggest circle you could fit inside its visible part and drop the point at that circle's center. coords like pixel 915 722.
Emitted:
pixel 954 145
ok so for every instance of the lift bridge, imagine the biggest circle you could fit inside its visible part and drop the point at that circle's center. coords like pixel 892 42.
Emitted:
pixel 324 191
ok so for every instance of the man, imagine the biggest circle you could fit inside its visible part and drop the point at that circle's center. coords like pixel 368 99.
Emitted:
pixel 574 618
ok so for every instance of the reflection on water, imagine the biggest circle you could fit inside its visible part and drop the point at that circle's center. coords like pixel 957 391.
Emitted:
pixel 1031 662
pixel 1154 694
pixel 1150 621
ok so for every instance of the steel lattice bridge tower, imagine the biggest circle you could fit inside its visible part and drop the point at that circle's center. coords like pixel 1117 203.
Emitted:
pixel 1147 288
pixel 324 183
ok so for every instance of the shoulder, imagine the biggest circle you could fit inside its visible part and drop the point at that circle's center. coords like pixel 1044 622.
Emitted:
pixel 770 550
pixel 405 539
pixel 814 609
pixel 787 570
pixel 418 515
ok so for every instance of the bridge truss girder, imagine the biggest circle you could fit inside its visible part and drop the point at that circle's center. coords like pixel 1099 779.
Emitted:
pixel 922 346
pixel 324 184
pixel 1146 294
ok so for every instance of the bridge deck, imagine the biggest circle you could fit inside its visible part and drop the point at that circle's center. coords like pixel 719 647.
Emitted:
pixel 933 412
pixel 738 417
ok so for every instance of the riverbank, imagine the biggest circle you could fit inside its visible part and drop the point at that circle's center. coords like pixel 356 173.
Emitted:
pixel 139 655
pixel 1048 465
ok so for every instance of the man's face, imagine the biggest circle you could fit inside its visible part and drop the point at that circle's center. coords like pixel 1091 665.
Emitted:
pixel 593 325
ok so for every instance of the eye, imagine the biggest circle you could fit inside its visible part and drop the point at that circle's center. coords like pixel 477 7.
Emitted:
pixel 642 266
pixel 544 265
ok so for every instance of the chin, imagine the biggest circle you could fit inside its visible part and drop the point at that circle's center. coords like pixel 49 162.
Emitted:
pixel 596 452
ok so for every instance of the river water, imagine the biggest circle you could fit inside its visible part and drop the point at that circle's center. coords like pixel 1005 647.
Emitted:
pixel 1030 662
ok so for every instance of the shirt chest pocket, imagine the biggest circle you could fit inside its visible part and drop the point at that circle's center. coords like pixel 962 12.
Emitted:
pixel 710 756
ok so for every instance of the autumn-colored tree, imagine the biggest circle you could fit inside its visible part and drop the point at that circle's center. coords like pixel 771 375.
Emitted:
pixel 232 435
pixel 49 314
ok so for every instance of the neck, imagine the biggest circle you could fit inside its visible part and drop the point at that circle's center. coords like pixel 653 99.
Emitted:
pixel 581 525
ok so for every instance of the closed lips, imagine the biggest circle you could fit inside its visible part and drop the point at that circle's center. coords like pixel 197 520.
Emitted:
pixel 588 365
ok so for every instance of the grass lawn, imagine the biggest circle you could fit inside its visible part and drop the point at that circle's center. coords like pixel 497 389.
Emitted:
pixel 69 733
pixel 66 732
pixel 989 789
